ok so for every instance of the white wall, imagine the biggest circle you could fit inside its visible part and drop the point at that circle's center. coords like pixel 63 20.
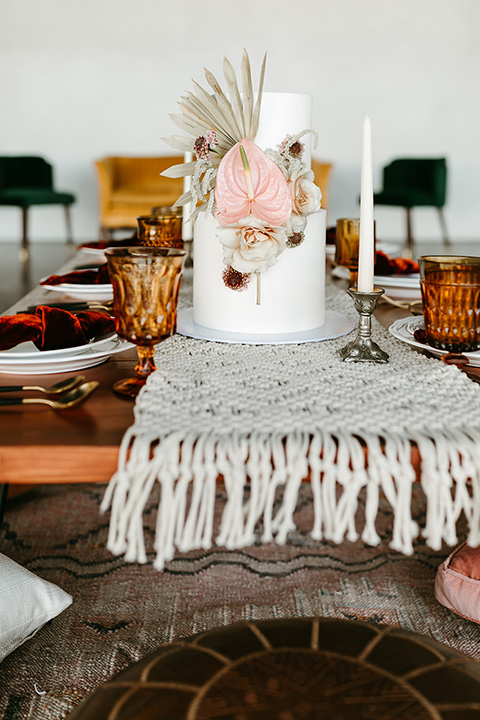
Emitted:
pixel 80 79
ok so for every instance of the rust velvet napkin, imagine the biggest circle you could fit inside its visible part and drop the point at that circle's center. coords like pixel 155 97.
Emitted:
pixel 394 266
pixel 98 276
pixel 103 244
pixel 51 328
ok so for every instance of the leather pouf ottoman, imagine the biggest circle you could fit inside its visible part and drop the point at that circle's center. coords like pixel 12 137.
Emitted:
pixel 457 583
pixel 294 669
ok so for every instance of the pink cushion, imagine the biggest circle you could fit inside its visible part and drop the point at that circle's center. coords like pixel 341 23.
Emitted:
pixel 457 584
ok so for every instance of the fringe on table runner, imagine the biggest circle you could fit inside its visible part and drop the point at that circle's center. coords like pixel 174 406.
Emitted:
pixel 272 466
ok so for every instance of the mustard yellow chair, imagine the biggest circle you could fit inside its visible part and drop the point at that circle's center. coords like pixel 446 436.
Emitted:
pixel 131 186
pixel 322 172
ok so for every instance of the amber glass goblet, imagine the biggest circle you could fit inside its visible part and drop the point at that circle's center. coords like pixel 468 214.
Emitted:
pixel 163 230
pixel 167 210
pixel 146 281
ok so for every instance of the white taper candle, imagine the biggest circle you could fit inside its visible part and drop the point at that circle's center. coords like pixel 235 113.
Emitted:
pixel 366 248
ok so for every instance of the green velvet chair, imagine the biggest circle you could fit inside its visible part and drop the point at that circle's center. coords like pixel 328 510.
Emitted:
pixel 27 181
pixel 417 182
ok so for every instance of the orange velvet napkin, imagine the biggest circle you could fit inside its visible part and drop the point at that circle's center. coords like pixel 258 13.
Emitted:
pixel 394 266
pixel 98 276
pixel 51 328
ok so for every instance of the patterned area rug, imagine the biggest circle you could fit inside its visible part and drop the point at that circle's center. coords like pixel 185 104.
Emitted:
pixel 121 611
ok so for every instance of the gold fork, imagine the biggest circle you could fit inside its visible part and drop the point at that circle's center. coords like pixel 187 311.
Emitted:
pixel 57 389
pixel 72 398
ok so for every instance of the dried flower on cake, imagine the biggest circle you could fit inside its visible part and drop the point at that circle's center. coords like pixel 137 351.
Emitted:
pixel 235 280
pixel 291 147
pixel 295 240
pixel 205 144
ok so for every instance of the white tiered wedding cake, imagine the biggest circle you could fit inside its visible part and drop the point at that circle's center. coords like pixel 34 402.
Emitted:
pixel 292 292
pixel 259 238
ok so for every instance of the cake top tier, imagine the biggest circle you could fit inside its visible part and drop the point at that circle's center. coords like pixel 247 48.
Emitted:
pixel 284 114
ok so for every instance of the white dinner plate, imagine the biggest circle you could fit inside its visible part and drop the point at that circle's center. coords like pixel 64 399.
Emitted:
pixel 411 280
pixel 401 287
pixel 48 365
pixel 97 252
pixel 83 292
pixel 404 329
pixel 27 351
pixel 335 326
pixel 388 248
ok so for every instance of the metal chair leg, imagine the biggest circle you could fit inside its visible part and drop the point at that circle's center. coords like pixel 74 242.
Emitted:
pixel 3 500
pixel 24 249
pixel 408 252
pixel 68 220
pixel 443 225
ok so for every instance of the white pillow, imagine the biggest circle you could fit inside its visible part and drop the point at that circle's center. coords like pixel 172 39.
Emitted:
pixel 26 603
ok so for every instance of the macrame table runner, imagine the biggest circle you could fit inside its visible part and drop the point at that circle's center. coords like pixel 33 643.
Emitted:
pixel 268 417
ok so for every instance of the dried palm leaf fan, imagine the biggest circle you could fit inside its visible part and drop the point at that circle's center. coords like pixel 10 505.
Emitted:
pixel 216 123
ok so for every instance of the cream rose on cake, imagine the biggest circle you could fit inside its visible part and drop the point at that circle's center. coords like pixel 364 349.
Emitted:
pixel 250 246
pixel 307 197
pixel 295 224
pixel 306 200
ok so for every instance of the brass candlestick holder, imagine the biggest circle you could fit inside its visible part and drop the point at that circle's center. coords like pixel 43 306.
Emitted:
pixel 363 348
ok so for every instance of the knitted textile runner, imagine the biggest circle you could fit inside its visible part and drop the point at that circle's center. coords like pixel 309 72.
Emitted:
pixel 272 415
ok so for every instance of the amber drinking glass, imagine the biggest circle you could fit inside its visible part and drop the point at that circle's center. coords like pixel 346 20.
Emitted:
pixel 347 244
pixel 146 281
pixel 451 301
pixel 160 230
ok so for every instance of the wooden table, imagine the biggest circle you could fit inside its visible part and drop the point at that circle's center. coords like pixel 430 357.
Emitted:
pixel 39 445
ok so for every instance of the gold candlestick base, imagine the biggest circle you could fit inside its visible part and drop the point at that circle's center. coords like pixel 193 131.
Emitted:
pixel 363 348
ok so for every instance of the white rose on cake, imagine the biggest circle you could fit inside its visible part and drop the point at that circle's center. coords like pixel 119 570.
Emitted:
pixel 295 224
pixel 250 246
pixel 306 196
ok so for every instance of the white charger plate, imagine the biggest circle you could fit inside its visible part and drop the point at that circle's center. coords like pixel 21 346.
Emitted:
pixel 26 352
pixel 83 292
pixel 335 326
pixel 49 365
pixel 404 329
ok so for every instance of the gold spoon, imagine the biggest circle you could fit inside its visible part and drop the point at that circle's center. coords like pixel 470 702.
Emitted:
pixel 74 397
pixel 59 387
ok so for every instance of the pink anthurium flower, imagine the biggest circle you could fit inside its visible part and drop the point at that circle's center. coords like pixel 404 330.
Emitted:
pixel 249 183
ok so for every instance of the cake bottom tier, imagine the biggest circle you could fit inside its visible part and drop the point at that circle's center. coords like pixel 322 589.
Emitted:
pixel 292 292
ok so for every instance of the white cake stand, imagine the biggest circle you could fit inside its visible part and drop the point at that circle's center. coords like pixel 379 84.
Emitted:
pixel 336 325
